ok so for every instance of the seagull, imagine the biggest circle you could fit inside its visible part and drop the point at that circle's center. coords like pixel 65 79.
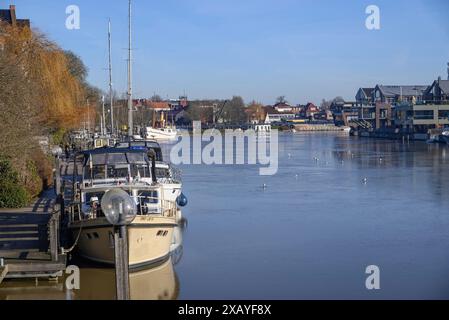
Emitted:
pixel 365 180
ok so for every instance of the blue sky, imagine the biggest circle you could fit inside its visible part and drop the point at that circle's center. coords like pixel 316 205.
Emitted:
pixel 304 49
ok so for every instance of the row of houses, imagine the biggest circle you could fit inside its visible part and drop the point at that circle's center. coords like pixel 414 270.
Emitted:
pixel 285 112
pixel 411 108
pixel 436 92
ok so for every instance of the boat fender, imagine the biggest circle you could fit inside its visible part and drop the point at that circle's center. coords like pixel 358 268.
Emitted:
pixel 182 200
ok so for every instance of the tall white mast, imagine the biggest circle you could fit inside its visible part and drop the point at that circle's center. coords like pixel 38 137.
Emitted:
pixel 111 98
pixel 103 117
pixel 448 71
pixel 130 99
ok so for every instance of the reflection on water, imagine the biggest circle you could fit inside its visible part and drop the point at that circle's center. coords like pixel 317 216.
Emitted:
pixel 156 283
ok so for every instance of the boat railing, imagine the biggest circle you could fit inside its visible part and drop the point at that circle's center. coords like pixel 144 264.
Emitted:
pixel 175 174
pixel 163 207
pixel 169 208
pixel 147 204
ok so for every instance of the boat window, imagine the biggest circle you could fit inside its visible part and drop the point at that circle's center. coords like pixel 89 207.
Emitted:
pixel 141 170
pixel 98 158
pixel 118 171
pixel 114 158
pixel 148 197
pixel 97 172
pixel 136 157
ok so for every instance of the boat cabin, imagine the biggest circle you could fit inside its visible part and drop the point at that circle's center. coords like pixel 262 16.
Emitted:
pixel 126 168
pixel 116 165
pixel 150 145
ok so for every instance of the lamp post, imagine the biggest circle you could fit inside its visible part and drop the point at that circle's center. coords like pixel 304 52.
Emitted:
pixel 120 210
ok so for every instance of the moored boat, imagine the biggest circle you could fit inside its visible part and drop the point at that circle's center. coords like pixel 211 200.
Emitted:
pixel 150 235
pixel 163 133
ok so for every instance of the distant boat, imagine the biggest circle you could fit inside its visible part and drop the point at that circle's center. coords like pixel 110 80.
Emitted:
pixel 163 133
pixel 262 128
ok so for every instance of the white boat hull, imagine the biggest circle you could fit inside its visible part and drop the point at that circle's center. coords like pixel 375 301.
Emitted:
pixel 161 134
pixel 149 240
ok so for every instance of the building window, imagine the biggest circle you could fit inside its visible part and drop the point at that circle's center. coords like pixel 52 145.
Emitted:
pixel 443 114
pixel 424 115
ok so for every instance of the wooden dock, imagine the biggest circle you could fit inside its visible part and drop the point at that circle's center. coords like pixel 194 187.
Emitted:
pixel 30 244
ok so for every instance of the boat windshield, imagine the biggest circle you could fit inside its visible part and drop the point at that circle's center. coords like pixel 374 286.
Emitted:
pixel 103 166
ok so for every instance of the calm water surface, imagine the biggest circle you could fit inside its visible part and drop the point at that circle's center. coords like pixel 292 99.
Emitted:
pixel 313 230
pixel 316 227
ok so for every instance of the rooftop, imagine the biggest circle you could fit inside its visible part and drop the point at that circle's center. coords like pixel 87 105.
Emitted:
pixel 407 90
pixel 9 16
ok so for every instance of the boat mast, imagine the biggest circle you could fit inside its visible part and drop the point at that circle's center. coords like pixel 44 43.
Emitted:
pixel 111 98
pixel 103 117
pixel 130 99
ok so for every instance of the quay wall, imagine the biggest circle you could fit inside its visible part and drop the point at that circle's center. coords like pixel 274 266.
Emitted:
pixel 394 135
pixel 317 127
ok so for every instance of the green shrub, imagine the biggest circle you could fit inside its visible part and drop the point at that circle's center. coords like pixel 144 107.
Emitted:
pixel 58 137
pixel 7 173
pixel 12 193
pixel 13 196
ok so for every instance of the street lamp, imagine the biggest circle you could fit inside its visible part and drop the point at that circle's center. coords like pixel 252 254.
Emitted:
pixel 120 210
pixel 118 207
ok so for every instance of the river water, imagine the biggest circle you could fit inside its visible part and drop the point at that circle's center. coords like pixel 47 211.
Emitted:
pixel 337 205
pixel 318 224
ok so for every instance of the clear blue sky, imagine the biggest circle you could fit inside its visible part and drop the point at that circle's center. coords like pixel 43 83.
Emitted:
pixel 260 49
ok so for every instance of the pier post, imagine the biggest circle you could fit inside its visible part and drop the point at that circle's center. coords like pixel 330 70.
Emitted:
pixel 54 237
pixel 121 262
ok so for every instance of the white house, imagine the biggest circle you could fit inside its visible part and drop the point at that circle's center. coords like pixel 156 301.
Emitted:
pixel 278 117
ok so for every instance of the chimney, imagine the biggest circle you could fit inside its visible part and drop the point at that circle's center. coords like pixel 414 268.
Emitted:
pixel 12 11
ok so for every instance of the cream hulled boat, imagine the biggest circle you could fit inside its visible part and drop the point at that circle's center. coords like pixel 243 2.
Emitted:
pixel 150 235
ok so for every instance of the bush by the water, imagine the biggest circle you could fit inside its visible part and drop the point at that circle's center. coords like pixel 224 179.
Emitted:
pixel 12 193
pixel 13 196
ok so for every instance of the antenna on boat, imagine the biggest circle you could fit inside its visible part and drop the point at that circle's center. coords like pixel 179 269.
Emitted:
pixel 130 99
pixel 111 98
